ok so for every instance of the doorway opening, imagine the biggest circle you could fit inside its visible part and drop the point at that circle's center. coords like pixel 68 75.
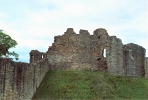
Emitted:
pixel 102 64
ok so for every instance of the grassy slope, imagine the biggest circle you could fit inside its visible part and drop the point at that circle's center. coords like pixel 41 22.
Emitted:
pixel 90 85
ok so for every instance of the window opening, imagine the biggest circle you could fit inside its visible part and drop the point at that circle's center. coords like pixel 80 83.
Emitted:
pixel 104 53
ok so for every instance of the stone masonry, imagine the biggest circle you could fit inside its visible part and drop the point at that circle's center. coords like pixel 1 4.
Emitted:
pixel 135 61
pixel 79 51
pixel 23 78
pixel 146 67
pixel 71 51
pixel 83 51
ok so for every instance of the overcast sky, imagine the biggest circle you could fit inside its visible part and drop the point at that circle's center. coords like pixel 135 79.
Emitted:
pixel 34 23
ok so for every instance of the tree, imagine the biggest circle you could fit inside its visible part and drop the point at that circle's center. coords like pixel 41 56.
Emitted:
pixel 6 42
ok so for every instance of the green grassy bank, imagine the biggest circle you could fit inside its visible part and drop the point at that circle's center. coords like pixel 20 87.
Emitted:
pixel 92 85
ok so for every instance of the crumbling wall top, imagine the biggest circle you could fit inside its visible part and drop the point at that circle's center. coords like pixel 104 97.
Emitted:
pixel 114 39
pixel 34 52
pixel 84 33
pixel 100 31
pixel 69 31
pixel 132 45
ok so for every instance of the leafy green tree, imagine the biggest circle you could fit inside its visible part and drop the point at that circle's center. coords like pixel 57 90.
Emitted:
pixel 6 42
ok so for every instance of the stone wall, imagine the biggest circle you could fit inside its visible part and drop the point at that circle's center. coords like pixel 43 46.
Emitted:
pixel 35 56
pixel 137 58
pixel 78 51
pixel 146 67
pixel 23 78
pixel 72 51
pixel 84 51
pixel 129 63
pixel 114 56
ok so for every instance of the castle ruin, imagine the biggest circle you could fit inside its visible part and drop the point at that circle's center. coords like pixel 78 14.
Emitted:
pixel 83 51
pixel 72 51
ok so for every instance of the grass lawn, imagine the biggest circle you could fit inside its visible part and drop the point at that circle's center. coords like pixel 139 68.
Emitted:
pixel 90 85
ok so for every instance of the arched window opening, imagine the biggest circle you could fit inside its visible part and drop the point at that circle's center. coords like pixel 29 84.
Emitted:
pixel 42 56
pixel 104 53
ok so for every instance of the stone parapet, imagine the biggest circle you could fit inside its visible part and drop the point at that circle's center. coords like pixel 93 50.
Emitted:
pixel 22 78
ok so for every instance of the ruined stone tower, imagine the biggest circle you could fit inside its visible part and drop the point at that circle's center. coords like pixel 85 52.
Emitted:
pixel 35 56
pixel 72 51
pixel 83 51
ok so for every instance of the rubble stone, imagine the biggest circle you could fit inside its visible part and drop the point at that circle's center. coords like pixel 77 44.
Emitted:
pixel 72 51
